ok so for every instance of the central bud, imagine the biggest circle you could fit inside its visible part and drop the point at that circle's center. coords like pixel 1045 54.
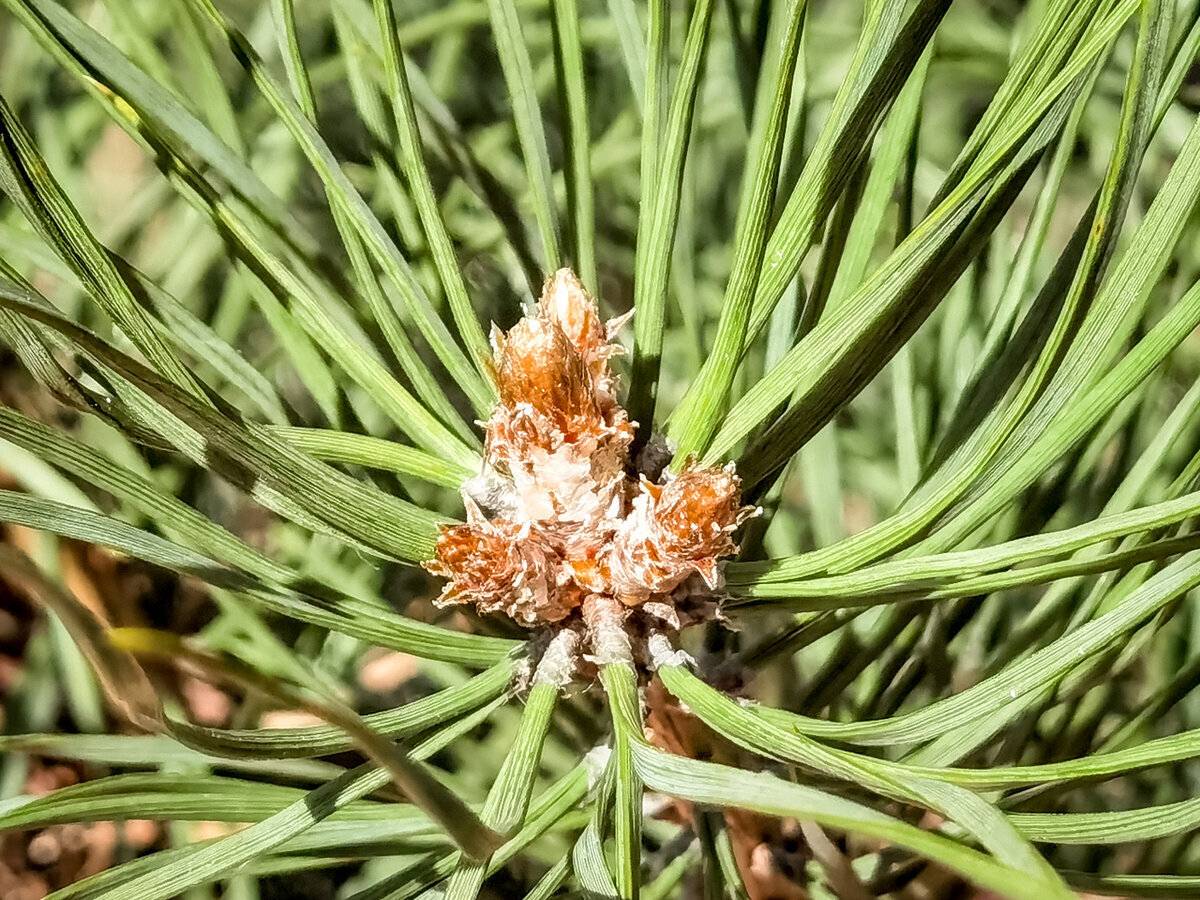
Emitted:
pixel 568 538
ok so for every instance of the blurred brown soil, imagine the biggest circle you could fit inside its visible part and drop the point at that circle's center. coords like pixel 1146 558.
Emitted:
pixel 35 863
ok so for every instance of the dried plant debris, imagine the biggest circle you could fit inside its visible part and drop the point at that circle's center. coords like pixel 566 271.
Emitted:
pixel 770 853
pixel 558 531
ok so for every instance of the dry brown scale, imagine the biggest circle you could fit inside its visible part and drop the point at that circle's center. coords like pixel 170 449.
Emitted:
pixel 568 539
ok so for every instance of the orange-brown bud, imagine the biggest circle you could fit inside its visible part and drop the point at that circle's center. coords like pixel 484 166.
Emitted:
pixel 676 530
pixel 697 511
pixel 477 561
pixel 541 367
pixel 503 566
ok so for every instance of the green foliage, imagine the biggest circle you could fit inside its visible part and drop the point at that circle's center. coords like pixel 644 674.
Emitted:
pixel 926 272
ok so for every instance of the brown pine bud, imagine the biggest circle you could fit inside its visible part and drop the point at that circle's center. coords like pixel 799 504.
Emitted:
pixel 539 366
pixel 579 540
pixel 697 512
